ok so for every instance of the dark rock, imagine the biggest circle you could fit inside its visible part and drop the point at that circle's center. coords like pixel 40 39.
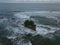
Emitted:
pixel 30 24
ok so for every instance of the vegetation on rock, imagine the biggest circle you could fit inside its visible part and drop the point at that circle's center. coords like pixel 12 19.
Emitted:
pixel 30 24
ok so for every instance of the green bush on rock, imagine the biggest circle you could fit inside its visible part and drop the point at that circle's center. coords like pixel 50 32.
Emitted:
pixel 30 24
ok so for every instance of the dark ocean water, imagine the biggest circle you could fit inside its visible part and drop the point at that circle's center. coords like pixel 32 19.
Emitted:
pixel 29 7
pixel 9 26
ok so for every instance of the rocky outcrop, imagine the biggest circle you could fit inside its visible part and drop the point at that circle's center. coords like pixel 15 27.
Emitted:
pixel 30 24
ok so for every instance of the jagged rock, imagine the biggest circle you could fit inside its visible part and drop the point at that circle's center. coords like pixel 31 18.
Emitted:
pixel 30 24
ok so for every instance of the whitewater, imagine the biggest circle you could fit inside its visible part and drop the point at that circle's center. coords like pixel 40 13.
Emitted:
pixel 26 16
pixel 20 30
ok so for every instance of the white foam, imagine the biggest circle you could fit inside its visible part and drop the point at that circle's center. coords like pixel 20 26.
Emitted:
pixel 39 13
pixel 43 31
pixel 11 37
pixel 18 15
pixel 40 30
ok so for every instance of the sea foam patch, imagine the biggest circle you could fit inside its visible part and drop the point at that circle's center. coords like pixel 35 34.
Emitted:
pixel 39 30
pixel 19 15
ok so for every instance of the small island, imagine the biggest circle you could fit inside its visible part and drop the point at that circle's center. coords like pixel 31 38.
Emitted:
pixel 30 24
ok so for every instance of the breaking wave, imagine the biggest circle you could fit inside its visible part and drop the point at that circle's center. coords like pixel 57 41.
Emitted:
pixel 14 29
